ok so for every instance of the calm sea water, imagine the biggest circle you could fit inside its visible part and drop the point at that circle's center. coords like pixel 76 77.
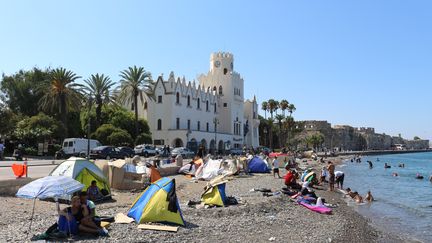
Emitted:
pixel 403 204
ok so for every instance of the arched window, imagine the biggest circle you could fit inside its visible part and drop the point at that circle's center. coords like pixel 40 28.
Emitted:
pixel 220 89
pixel 198 103
pixel 225 71
pixel 145 105
pixel 188 100
pixel 159 124
pixel 207 105
pixel 214 89
pixel 178 98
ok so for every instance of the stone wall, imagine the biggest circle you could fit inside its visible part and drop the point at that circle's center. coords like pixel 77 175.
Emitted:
pixel 417 144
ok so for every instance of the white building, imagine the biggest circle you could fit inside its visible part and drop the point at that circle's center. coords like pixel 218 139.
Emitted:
pixel 210 113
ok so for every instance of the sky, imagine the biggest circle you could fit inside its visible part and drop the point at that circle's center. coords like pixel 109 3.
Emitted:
pixel 361 63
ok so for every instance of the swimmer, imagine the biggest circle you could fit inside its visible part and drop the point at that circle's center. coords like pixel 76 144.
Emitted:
pixel 357 197
pixel 370 164
pixel 386 166
pixel 395 174
pixel 369 197
pixel 418 176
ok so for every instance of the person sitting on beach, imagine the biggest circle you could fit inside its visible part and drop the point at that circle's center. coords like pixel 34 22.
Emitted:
pixel 369 197
pixel 89 203
pixel 75 219
pixel 307 190
pixel 93 192
pixel 290 179
pixel 331 170
pixel 276 167
pixel 340 176
pixel 153 171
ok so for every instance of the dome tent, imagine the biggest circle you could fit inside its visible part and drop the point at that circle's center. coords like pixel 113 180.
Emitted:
pixel 83 171
pixel 257 165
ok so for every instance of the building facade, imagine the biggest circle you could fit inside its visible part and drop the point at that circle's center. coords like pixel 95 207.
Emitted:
pixel 211 112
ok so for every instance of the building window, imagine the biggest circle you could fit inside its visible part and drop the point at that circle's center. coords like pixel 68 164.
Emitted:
pixel 225 71
pixel 160 99
pixel 207 105
pixel 198 126
pixel 207 127
pixel 159 124
pixel 145 105
pixel 178 98
pixel 214 89
pixel 225 104
pixel 198 103
pixel 188 124
pixel 188 100
pixel 177 123
pixel 214 107
pixel 220 90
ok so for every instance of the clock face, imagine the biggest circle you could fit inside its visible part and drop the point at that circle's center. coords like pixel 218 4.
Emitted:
pixel 217 63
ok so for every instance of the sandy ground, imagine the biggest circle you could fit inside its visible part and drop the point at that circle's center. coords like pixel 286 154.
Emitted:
pixel 256 218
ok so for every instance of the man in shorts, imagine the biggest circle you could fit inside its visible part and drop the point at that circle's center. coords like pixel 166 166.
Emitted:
pixel 331 170
pixel 276 167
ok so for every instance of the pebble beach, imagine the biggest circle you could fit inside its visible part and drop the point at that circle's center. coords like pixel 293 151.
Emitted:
pixel 256 218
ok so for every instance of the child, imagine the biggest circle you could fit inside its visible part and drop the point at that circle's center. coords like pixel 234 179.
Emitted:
pixel 276 167
pixel 93 192
pixel 323 175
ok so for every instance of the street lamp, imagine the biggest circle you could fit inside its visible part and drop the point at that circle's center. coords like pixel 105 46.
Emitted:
pixel 90 101
pixel 215 122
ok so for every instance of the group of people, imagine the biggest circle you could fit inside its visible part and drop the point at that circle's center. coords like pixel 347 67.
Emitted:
pixel 80 216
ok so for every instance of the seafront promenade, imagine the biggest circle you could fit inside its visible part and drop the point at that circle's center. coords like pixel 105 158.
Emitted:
pixel 378 152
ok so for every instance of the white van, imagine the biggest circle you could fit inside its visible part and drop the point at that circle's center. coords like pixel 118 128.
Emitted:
pixel 78 146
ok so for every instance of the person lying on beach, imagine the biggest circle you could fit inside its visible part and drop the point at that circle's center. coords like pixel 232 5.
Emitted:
pixel 369 197
pixel 75 219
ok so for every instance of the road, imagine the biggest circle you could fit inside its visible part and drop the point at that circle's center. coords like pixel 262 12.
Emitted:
pixel 8 163
pixel 33 171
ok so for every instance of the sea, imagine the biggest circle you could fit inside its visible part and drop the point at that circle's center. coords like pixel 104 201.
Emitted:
pixel 403 203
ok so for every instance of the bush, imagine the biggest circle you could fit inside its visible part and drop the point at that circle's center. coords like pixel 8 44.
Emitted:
pixel 53 148
pixel 144 138
pixel 120 137
pixel 30 151
pixel 103 132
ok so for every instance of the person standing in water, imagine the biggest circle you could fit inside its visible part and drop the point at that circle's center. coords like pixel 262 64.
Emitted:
pixel 331 170
pixel 370 164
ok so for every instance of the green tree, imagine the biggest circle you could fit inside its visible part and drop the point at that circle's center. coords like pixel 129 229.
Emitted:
pixel 38 129
pixel 21 90
pixel 272 106
pixel 99 87
pixel 264 107
pixel 120 138
pixel 144 138
pixel 291 108
pixel 8 121
pixel 104 131
pixel 61 93
pixel 283 105
pixel 279 118
pixel 135 83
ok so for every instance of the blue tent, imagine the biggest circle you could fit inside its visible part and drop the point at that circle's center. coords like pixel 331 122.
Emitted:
pixel 257 165
pixel 158 203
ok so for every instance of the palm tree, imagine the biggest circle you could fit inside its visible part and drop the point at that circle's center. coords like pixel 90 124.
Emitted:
pixel 135 82
pixel 264 107
pixel 279 118
pixel 61 93
pixel 283 105
pixel 291 108
pixel 272 106
pixel 98 87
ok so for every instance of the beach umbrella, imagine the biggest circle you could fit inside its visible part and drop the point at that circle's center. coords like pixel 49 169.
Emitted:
pixel 50 187
pixel 55 187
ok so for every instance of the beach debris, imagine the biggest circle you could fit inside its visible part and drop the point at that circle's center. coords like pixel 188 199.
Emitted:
pixel 121 218
pixel 272 239
pixel 158 227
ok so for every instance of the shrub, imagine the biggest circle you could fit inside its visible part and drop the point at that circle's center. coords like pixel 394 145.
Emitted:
pixel 143 138
pixel 120 137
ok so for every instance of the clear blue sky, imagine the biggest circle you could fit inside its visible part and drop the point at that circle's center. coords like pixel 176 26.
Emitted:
pixel 363 63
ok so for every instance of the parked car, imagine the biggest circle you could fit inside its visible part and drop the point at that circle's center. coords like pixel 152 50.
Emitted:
pixel 76 147
pixel 130 152
pixel 107 152
pixel 145 150
pixel 185 153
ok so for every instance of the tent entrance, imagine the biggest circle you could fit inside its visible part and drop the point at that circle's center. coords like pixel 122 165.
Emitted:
pixel 86 177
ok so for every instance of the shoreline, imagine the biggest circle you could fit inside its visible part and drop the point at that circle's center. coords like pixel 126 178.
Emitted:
pixel 378 152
